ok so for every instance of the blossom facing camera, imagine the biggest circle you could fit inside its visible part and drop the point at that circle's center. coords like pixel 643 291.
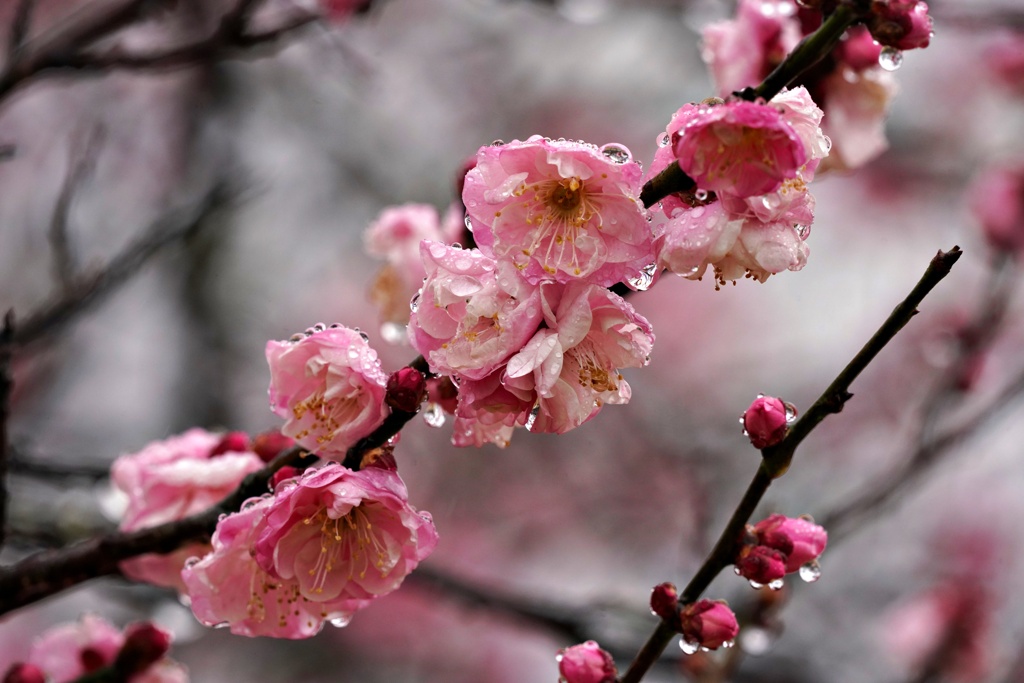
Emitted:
pixel 709 624
pixel 171 479
pixel 329 386
pixel 559 210
pixel 765 422
pixel 586 663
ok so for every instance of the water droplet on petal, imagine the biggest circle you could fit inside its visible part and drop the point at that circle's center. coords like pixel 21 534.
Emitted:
pixel 414 303
pixel 616 153
pixel 191 562
pixel 469 223
pixel 811 571
pixel 688 647
pixel 664 140
pixel 319 327
pixel 756 586
pixel 790 413
pixel 645 279
pixel 394 333
pixel 353 354
pixel 828 143
pixel 701 195
pixel 433 415
pixel 297 337
pixel 890 58
pixel 729 643
pixel 776 585
pixel 222 624
pixel 497 143
pixel 532 418
pixel 802 231
pixel 340 622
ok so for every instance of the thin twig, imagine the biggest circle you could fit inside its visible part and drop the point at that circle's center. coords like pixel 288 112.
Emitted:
pixel 6 385
pixel 89 289
pixel 80 165
pixel 19 28
pixel 777 459
pixel 20 465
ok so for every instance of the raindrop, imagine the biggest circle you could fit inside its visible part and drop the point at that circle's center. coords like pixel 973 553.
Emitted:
pixel 755 641
pixel 394 333
pixel 532 418
pixel 828 143
pixel 297 337
pixel 729 643
pixel 756 586
pixel 811 571
pixel 319 327
pixel 645 279
pixel 559 657
pixel 701 195
pixel 497 143
pixel 353 354
pixel 802 231
pixel 664 140
pixel 790 413
pixel 433 415
pixel 776 585
pixel 223 624
pixel 890 58
pixel 340 622
pixel 688 647
pixel 616 153
pixel 191 562
pixel 335 326
pixel 414 303
pixel 469 223
pixel 362 335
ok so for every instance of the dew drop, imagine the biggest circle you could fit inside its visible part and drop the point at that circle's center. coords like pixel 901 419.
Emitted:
pixel 729 643
pixel 802 231
pixel 890 58
pixel 828 143
pixel 701 195
pixel 664 140
pixel 532 418
pixel 341 622
pixel 414 303
pixel 645 279
pixel 776 585
pixel 222 624
pixel 353 354
pixel 811 571
pixel 191 562
pixel 497 143
pixel 755 641
pixel 469 223
pixel 319 327
pixel 433 415
pixel 756 586
pixel 394 333
pixel 790 413
pixel 362 335
pixel 559 657
pixel 688 647
pixel 616 153
pixel 297 337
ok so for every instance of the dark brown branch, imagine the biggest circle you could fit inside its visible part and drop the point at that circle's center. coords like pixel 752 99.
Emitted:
pixel 87 290
pixel 80 165
pixel 778 458
pixel 6 385
pixel 19 28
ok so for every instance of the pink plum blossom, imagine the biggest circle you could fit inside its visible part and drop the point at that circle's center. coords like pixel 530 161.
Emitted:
pixel 765 421
pixel 329 386
pixel 741 52
pixel 708 623
pixel 737 147
pixel 761 564
pixel 488 411
pixel 342 535
pixel 902 24
pixel 799 538
pixel 559 210
pixel 171 479
pixel 473 312
pixel 227 586
pixel 1004 58
pixel 997 201
pixel 572 364
pixel 586 663
pixel 66 652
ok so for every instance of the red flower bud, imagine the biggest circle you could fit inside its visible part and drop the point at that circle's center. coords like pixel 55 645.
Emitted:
pixel 406 390
pixel 902 24
pixel 286 472
pixel 709 624
pixel 232 442
pixel 799 539
pixel 24 673
pixel 586 663
pixel 269 445
pixel 761 564
pixel 766 421
pixel 144 645
pixel 665 603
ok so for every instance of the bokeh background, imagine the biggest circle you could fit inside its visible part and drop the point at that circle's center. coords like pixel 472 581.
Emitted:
pixel 316 134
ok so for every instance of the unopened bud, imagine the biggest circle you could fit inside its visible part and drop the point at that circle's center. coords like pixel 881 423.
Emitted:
pixel 799 539
pixel 269 445
pixel 586 663
pixel 761 564
pixel 144 645
pixel 232 442
pixel 902 24
pixel 665 603
pixel 709 623
pixel 766 421
pixel 24 673
pixel 286 472
pixel 406 390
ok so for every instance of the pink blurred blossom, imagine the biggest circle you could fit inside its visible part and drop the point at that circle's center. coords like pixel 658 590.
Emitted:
pixel 586 663
pixel 902 24
pixel 741 52
pixel 560 209
pixel 709 623
pixel 227 586
pixel 856 105
pixel 171 479
pixel 473 312
pixel 1004 58
pixel 329 386
pixel 997 201
pixel 343 535
pixel 765 421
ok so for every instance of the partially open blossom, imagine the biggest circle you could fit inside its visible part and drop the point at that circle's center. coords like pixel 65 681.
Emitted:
pixel 171 479
pixel 227 586
pixel 799 538
pixel 406 389
pixel 744 50
pixel 737 147
pixel 473 312
pixel 68 651
pixel 343 535
pixel 559 210
pixel 572 364
pixel 765 421
pixel 329 386
pixel 902 24
pixel 586 663
pixel 997 201
pixel 488 411
pixel 709 624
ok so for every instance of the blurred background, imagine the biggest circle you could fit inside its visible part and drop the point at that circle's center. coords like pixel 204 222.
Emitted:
pixel 233 190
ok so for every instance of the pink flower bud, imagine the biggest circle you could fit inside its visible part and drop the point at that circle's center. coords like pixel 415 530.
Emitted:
pixel 406 389
pixel 765 421
pixel 902 24
pixel 269 445
pixel 144 645
pixel 232 442
pixel 709 624
pixel 800 539
pixel 586 663
pixel 286 472
pixel 24 673
pixel 859 50
pixel 665 603
pixel 761 564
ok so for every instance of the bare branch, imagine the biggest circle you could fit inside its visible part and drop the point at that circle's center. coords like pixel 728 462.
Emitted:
pixel 19 28
pixel 6 384
pixel 80 166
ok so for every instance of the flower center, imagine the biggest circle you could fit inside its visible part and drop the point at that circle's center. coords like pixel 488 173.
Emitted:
pixel 350 543
pixel 325 417
pixel 561 210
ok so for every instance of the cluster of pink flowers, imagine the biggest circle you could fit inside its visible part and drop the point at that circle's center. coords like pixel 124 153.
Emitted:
pixel 781 545
pixel 756 159
pixel 69 651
